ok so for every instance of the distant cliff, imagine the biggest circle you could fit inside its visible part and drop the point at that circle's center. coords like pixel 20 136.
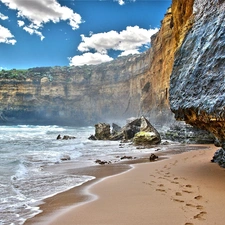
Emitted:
pixel 197 87
pixel 73 95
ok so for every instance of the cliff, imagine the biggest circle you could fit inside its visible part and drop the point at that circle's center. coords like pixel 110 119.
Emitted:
pixel 197 86
pixel 73 95
pixel 174 26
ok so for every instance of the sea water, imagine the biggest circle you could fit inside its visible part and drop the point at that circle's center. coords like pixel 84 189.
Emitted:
pixel 26 153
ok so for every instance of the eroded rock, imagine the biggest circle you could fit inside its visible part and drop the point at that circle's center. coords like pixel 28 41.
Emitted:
pixel 102 131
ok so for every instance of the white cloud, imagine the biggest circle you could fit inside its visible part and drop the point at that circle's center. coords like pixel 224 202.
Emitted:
pixel 3 17
pixel 89 59
pixel 20 23
pixel 130 40
pixel 6 36
pixel 40 12
pixel 31 31
pixel 121 2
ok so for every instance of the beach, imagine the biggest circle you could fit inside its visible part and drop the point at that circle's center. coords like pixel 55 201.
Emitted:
pixel 184 189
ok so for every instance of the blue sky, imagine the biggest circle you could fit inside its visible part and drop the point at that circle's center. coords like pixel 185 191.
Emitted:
pixel 35 33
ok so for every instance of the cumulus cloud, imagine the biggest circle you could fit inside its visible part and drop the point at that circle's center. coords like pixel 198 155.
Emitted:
pixel 20 23
pixel 89 59
pixel 40 12
pixel 3 17
pixel 6 36
pixel 121 2
pixel 128 41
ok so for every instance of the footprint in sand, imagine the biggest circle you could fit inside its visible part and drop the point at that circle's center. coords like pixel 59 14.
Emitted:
pixel 188 186
pixel 198 197
pixel 188 224
pixel 174 182
pixel 161 190
pixel 178 194
pixel 194 206
pixel 161 185
pixel 190 205
pixel 199 207
pixel 200 215
pixel 186 191
pixel 178 200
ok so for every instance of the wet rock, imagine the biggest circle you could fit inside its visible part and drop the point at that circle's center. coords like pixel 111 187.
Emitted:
pixel 93 138
pixel 102 131
pixel 134 126
pixel 58 137
pixel 148 135
pixel 67 137
pixel 102 162
pixel 153 157
pixel 126 157
pixel 65 157
pixel 219 157
pixel 185 133
pixel 146 138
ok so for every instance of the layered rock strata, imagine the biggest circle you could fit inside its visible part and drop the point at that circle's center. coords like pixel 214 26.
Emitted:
pixel 73 95
pixel 156 82
pixel 197 86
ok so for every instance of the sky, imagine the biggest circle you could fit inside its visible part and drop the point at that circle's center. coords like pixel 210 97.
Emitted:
pixel 39 33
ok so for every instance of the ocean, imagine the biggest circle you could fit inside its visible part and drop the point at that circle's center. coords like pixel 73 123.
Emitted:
pixel 27 155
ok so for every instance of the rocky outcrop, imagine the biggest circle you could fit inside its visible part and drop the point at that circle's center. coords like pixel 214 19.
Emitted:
pixel 102 131
pixel 138 130
pixel 197 86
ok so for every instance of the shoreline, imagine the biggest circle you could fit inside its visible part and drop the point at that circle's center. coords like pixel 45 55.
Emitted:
pixel 64 204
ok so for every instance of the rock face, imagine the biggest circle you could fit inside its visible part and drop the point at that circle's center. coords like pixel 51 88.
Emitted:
pixel 102 131
pixel 73 95
pixel 197 86
pixel 156 82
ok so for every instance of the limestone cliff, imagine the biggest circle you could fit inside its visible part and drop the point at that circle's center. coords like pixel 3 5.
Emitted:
pixel 197 87
pixel 73 95
pixel 174 26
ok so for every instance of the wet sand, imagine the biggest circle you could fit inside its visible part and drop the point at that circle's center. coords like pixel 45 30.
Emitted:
pixel 185 189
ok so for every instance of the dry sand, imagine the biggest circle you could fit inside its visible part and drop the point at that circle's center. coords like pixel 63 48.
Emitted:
pixel 186 189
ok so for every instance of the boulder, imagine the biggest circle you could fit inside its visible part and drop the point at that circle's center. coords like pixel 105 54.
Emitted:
pixel 58 137
pixel 219 157
pixel 92 137
pixel 102 131
pixel 65 157
pixel 148 135
pixel 67 137
pixel 146 138
pixel 153 157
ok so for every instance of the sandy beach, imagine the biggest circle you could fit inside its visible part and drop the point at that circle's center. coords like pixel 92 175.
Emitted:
pixel 185 189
